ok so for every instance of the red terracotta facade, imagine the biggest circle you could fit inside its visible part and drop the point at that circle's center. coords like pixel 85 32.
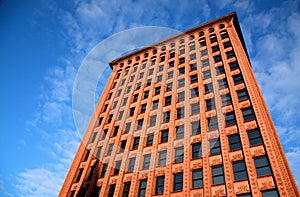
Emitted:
pixel 189 110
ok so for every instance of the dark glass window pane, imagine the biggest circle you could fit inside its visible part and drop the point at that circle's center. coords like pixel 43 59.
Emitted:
pixel 262 166
pixel 270 193
pixel 178 182
pixel 254 137
pixel 197 176
pixel 234 142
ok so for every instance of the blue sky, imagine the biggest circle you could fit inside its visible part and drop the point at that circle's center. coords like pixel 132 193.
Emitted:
pixel 43 42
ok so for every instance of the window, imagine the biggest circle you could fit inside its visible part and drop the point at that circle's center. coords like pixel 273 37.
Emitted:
pixel 131 164
pixel 104 169
pixel 160 182
pixel 181 71
pixel 218 175
pixel 196 128
pixel 120 91
pixel 230 54
pixel 79 175
pixel 110 149
pixel 194 78
pixel 197 176
pixel 143 108
pixel 131 111
pixel 181 51
pixel 206 74
pixel 169 86
pixel 131 78
pixel 181 60
pixel 230 119
pixel 195 108
pixel 142 188
pixel 179 154
pixel 171 64
pixel 181 96
pixel 226 100
pixel 172 54
pixel 227 44
pixel 270 193
pixel 104 134
pixel 233 66
pixel 146 163
pixel 135 98
pixel 215 48
pixel 140 124
pixel 149 139
pixel 100 121
pixel 181 83
pixel 224 35
pixel 109 96
pixel 152 120
pixel 111 190
pixel 203 52
pixel 162 58
pixel 180 112
pixel 141 75
pixel 178 182
pixel 196 151
pixel 205 63
pixel 208 88
pixel 213 39
pixel 220 70
pixel 157 90
pixel 237 79
pixel 168 100
pixel 164 136
pixel 193 67
pixel 210 104
pixel 248 114
pixel 243 95
pixel 94 137
pixel 127 127
pixel 223 83
pixel 116 130
pixel 105 107
pixel 192 47
pixel 254 137
pixel 125 101
pixel 262 166
pixel 110 118
pixel 166 116
pixel 212 123
pixel 148 82
pixel 122 83
pixel 117 167
pixel 162 158
pixel 146 94
pixel 180 132
pixel 126 189
pixel 240 171
pixel 203 43
pixel 136 142
pixel 155 104
pixel 115 104
pixel 123 146
pixel 217 58
pixel 170 74
pixel 215 147
pixel 160 68
pixel 194 92
pixel 99 150
pixel 234 142
pixel 138 85
pixel 159 78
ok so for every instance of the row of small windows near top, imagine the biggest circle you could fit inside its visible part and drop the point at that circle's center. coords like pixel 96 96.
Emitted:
pixel 181 43
pixel 193 66
pixel 239 169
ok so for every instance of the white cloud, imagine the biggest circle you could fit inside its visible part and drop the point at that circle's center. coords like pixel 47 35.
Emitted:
pixel 293 157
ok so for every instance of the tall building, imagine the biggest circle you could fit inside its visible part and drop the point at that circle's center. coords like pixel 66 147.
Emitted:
pixel 182 117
